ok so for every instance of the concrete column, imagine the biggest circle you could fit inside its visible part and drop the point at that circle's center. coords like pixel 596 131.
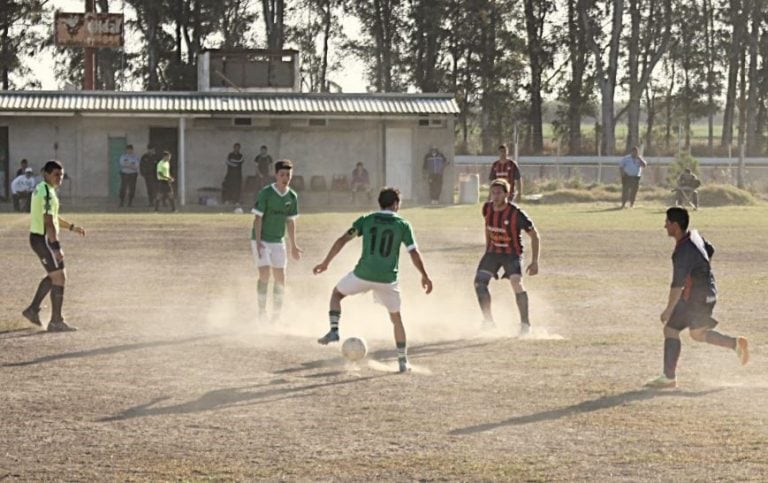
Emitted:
pixel 182 161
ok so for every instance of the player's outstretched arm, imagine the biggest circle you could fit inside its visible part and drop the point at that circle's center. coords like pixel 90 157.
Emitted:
pixel 335 249
pixel 426 283
pixel 533 267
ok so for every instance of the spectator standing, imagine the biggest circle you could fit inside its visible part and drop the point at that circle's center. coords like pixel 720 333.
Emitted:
pixel 263 167
pixel 434 165
pixel 148 170
pixel 129 171
pixel 361 181
pixel 233 179
pixel 165 182
pixel 22 187
pixel 631 168
pixel 507 169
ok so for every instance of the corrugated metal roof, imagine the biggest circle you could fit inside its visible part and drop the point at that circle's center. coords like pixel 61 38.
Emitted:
pixel 174 103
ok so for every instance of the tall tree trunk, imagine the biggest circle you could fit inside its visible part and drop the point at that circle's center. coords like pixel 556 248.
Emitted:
pixel 751 115
pixel 153 57
pixel 734 55
pixel 274 16
pixel 650 109
pixel 709 36
pixel 577 47
pixel 606 75
pixel 534 25
pixel 5 56
pixel 327 22
pixel 635 90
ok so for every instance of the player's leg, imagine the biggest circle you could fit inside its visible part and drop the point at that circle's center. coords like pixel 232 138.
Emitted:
pixel 634 186
pixel 388 294
pixel 702 330
pixel 679 321
pixel 400 342
pixel 695 197
pixel 482 280
pixel 262 263
pixel 349 285
pixel 278 260
pixel 171 196
pixel 624 190
pixel 32 313
pixel 513 270
pixel 486 270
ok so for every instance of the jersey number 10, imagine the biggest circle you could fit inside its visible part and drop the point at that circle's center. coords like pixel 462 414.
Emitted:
pixel 385 244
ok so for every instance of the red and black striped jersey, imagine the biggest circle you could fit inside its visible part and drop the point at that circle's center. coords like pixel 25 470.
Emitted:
pixel 505 169
pixel 505 227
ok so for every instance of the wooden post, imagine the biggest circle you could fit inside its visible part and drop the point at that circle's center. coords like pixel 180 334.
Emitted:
pixel 89 77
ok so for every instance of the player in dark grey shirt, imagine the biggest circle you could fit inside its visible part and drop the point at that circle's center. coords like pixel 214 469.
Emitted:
pixel 692 297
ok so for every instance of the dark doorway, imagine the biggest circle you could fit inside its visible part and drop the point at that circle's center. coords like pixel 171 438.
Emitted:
pixel 165 139
pixel 5 165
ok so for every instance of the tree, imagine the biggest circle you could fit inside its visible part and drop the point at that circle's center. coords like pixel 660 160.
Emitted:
pixel 734 15
pixel 273 12
pixel 18 37
pixel 649 39
pixel 382 46
pixel 539 53
pixel 425 55
pixel 605 69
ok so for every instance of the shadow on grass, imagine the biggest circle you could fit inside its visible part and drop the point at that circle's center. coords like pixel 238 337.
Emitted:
pixel 604 402
pixel 416 350
pixel 19 333
pixel 104 350
pixel 231 397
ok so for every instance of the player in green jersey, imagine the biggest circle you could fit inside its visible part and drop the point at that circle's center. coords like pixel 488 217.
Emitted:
pixel 276 210
pixel 377 270
pixel 44 239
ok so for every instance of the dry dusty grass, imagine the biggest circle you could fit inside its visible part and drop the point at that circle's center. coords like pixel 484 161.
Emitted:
pixel 171 377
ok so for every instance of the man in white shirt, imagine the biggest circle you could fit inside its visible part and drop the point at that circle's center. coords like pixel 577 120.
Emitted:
pixel 22 187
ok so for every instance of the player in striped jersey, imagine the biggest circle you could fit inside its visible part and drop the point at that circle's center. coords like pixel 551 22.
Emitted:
pixel 505 168
pixel 504 224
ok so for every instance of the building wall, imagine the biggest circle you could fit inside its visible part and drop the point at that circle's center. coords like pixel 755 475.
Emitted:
pixel 81 143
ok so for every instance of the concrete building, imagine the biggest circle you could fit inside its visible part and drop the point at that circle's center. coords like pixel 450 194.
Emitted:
pixel 324 134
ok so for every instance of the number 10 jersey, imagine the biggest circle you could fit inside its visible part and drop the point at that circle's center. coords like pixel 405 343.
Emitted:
pixel 382 232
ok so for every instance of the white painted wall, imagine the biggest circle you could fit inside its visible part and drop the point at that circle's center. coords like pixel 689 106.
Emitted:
pixel 81 143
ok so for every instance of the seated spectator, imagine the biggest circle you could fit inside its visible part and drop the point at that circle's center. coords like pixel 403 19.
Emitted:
pixel 361 181
pixel 686 190
pixel 21 189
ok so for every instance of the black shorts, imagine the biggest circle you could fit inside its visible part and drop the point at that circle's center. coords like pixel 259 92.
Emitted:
pixel 164 188
pixel 692 315
pixel 44 252
pixel 492 262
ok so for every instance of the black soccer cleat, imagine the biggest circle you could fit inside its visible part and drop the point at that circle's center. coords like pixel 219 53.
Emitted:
pixel 33 316
pixel 60 326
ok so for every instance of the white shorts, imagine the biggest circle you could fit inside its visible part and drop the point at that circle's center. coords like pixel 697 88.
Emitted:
pixel 272 255
pixel 387 294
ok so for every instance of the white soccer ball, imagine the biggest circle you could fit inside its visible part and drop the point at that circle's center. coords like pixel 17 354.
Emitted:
pixel 354 348
pixel 239 210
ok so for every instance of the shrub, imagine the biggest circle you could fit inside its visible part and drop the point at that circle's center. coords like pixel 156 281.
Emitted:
pixel 724 195
pixel 681 162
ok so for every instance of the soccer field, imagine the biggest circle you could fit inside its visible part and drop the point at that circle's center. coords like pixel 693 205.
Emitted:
pixel 171 377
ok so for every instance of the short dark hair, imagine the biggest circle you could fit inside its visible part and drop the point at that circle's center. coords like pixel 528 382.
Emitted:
pixel 500 182
pixel 359 164
pixel 24 161
pixel 502 146
pixel 283 164
pixel 679 215
pixel 237 144
pixel 388 196
pixel 129 146
pixel 166 153
pixel 263 146
pixel 52 166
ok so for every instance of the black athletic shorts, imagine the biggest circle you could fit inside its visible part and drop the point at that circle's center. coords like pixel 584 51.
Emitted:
pixel 44 252
pixel 164 188
pixel 692 315
pixel 492 262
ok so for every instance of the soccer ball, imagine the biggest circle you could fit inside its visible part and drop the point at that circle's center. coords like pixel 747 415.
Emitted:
pixel 239 210
pixel 354 348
